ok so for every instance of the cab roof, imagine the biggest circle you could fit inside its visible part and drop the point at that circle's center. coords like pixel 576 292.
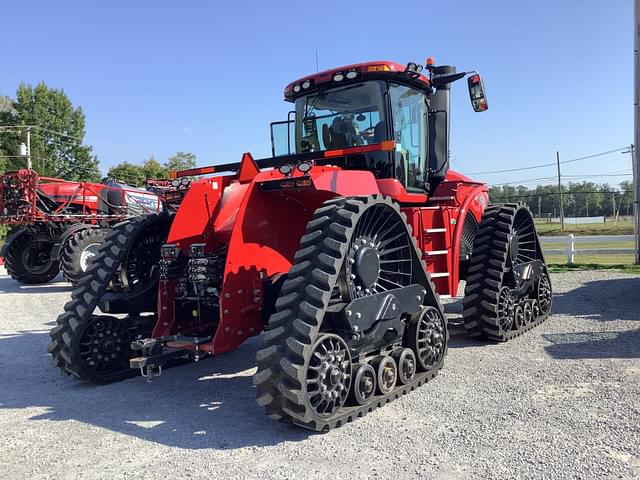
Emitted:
pixel 380 69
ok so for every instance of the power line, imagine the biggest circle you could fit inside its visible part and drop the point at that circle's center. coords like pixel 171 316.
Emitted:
pixel 615 173
pixel 521 181
pixel 532 167
pixel 58 133
pixel 25 127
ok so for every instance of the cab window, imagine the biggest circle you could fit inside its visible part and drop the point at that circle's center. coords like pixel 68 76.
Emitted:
pixel 408 107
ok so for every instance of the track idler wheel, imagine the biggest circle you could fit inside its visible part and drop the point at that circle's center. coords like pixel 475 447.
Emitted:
pixel 427 336
pixel 364 384
pixel 328 374
pixel 103 346
pixel 544 294
pixel 406 361
pixel 386 373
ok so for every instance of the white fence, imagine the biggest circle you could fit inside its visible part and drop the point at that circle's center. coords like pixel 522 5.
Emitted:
pixel 569 245
pixel 578 220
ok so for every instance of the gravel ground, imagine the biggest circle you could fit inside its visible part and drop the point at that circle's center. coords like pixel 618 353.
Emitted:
pixel 559 402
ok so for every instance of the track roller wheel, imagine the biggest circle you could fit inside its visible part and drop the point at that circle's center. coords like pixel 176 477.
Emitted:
pixel 518 317
pixel 406 361
pixel 527 311
pixel 506 272
pixel 386 373
pixel 28 259
pixel 72 346
pixel 79 251
pixel 364 384
pixel 427 336
pixel 535 309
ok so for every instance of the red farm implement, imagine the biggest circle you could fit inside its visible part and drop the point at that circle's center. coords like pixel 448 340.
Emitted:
pixel 62 222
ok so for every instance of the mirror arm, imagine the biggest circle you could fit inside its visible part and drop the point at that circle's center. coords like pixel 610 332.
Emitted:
pixel 439 82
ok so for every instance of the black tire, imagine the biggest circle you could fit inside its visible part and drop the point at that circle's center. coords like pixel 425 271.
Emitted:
pixel 281 376
pixel 506 237
pixel 78 252
pixel 28 259
pixel 68 340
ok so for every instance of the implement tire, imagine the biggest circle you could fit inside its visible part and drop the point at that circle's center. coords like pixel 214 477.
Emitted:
pixel 28 259
pixel 79 251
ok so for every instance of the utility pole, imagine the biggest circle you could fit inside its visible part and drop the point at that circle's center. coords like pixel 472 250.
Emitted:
pixel 613 212
pixel 29 148
pixel 636 130
pixel 539 206
pixel 560 185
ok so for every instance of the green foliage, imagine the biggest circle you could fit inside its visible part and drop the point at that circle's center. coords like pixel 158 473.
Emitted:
pixel 152 168
pixel 181 161
pixel 580 199
pixel 129 173
pixel 136 174
pixel 57 148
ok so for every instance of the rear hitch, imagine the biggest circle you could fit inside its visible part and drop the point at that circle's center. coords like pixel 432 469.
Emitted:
pixel 154 353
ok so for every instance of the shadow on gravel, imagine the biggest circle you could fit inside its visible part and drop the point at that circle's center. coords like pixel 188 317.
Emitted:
pixel 210 404
pixel 604 300
pixel 9 285
pixel 599 300
pixel 565 346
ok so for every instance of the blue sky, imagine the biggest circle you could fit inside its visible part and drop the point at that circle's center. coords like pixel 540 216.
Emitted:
pixel 155 77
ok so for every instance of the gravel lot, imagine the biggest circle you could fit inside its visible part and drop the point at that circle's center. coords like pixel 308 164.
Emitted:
pixel 560 402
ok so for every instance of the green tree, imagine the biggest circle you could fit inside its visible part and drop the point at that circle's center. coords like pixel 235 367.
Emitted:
pixel 152 168
pixel 626 198
pixel 9 140
pixel 129 173
pixel 181 161
pixel 57 136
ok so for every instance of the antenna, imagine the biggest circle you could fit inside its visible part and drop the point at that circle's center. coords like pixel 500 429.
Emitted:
pixel 317 69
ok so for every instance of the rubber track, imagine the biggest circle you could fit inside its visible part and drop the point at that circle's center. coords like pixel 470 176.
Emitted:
pixel 486 273
pixel 84 299
pixel 70 257
pixel 299 314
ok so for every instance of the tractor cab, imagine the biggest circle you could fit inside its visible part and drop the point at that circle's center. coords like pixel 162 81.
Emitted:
pixel 372 104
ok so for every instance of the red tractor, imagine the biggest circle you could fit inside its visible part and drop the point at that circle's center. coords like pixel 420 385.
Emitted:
pixel 340 246
pixel 63 222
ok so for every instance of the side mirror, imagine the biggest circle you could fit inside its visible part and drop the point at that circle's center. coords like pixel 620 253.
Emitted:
pixel 476 93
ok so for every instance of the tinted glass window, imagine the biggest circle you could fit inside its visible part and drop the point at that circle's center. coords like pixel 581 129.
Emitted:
pixel 342 117
pixel 408 107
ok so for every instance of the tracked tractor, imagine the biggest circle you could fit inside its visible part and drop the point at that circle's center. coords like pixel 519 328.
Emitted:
pixel 340 247
pixel 60 225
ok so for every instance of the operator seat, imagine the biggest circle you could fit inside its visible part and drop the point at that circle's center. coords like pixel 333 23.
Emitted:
pixel 381 165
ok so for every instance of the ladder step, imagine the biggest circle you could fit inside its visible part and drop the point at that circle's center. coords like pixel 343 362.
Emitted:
pixel 436 252
pixel 439 274
pixel 435 230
